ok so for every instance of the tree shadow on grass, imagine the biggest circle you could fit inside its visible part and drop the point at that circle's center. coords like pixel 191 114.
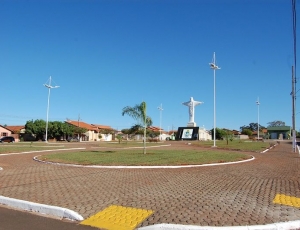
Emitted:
pixel 94 151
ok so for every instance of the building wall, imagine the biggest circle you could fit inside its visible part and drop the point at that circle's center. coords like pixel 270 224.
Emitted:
pixel 163 136
pixel 279 135
pixel 4 132
pixel 94 136
pixel 91 136
pixel 243 137
pixel 106 137
pixel 279 132
pixel 204 135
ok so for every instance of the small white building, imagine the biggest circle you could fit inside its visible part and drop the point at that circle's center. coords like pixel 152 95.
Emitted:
pixel 204 135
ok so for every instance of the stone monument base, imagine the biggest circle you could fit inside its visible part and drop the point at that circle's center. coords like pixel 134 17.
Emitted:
pixel 187 133
pixel 191 124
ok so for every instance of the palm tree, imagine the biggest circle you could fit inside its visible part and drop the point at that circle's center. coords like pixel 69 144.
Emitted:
pixel 139 113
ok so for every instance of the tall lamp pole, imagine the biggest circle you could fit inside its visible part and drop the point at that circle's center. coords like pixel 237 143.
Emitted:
pixel 160 111
pixel 214 67
pixel 257 102
pixel 49 87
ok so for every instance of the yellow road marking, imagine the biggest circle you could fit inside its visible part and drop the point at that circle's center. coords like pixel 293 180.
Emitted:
pixel 287 200
pixel 118 218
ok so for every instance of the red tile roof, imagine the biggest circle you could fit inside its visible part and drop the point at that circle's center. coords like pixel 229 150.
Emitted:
pixel 102 126
pixel 82 125
pixel 15 127
pixel 154 129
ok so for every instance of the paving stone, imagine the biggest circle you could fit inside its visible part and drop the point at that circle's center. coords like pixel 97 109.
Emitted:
pixel 227 195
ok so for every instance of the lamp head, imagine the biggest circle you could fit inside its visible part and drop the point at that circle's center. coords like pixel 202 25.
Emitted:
pixel 50 87
pixel 213 66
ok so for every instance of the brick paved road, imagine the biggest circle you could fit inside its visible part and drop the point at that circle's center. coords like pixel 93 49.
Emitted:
pixel 227 195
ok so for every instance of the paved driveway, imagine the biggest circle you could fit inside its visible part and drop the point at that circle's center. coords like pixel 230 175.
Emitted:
pixel 226 195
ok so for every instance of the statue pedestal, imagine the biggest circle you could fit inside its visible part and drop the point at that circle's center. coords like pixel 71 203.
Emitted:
pixel 187 133
pixel 191 124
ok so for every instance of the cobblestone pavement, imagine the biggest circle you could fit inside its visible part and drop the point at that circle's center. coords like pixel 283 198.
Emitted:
pixel 225 195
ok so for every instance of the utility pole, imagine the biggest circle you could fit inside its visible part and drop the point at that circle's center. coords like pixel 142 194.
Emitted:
pixel 293 112
pixel 294 74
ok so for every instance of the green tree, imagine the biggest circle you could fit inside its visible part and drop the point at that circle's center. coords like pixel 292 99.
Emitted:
pixel 220 133
pixel 153 134
pixel 37 128
pixel 252 126
pixel 66 129
pixel 139 113
pixel 79 131
pixel 276 123
pixel 136 129
pixel 127 132
pixel 228 135
pixel 56 129
pixel 247 132
pixel 119 137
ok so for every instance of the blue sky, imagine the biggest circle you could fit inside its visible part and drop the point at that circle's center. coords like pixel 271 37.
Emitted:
pixel 106 55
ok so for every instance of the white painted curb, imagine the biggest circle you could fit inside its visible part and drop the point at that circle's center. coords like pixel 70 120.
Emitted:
pixel 41 208
pixel 276 226
pixel 143 167
pixel 266 150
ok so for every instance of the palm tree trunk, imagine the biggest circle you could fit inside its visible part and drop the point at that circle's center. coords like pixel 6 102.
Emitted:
pixel 145 139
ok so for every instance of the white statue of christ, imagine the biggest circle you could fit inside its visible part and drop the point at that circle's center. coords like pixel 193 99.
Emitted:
pixel 191 104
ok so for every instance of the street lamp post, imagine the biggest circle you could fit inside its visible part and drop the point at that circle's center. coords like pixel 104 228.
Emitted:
pixel 214 67
pixel 49 87
pixel 160 110
pixel 257 102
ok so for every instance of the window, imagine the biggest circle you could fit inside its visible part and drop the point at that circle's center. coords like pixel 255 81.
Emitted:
pixel 4 134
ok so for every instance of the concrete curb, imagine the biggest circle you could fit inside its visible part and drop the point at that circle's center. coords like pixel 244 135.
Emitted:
pixel 266 150
pixel 276 226
pixel 41 208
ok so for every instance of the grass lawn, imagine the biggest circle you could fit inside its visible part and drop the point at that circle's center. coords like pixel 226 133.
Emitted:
pixel 128 153
pixel 245 145
pixel 153 157
pixel 27 147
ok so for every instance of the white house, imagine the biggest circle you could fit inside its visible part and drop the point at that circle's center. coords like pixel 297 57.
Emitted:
pixel 204 135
